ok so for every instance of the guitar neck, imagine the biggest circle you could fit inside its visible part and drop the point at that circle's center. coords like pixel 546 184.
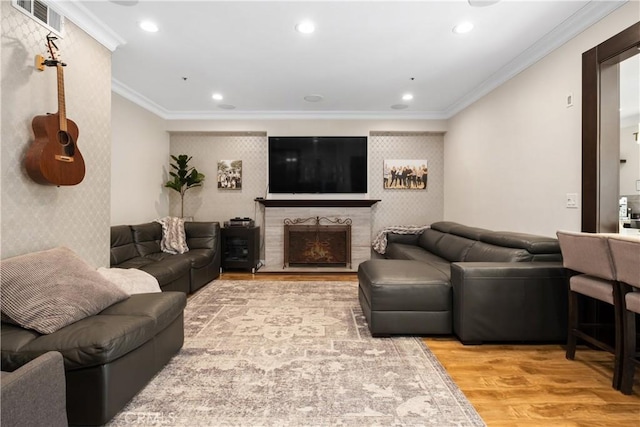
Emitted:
pixel 62 112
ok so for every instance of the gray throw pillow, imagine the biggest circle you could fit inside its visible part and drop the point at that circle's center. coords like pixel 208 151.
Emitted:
pixel 48 290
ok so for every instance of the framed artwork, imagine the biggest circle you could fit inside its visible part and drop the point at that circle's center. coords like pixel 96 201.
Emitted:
pixel 405 174
pixel 230 174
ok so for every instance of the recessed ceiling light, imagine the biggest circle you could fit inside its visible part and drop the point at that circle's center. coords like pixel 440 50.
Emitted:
pixel 463 28
pixel 227 106
pixel 149 26
pixel 399 106
pixel 482 3
pixel 407 97
pixel 125 2
pixel 217 97
pixel 313 98
pixel 305 27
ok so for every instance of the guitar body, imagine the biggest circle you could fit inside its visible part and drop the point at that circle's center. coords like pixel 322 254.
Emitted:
pixel 53 158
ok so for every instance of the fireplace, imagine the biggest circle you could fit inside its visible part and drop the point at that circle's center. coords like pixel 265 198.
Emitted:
pixel 317 244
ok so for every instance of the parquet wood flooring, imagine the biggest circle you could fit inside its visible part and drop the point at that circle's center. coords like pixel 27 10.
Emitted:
pixel 523 385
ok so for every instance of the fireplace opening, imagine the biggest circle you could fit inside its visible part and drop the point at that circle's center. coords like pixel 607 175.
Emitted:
pixel 317 245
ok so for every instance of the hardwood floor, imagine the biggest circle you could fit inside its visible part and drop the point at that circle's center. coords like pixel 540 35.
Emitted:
pixel 535 385
pixel 523 385
pixel 290 276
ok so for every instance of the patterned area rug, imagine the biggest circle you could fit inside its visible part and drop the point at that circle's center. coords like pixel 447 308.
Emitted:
pixel 261 353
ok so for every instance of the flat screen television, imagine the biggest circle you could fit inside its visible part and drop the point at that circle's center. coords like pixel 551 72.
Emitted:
pixel 317 165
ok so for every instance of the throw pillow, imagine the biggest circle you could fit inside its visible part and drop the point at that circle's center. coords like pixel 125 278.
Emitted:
pixel 131 280
pixel 48 290
pixel 174 238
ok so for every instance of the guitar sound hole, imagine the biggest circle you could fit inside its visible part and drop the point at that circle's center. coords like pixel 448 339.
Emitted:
pixel 67 142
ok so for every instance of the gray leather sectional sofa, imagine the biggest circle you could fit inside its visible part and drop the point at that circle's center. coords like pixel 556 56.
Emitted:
pixel 482 285
pixel 108 357
pixel 138 246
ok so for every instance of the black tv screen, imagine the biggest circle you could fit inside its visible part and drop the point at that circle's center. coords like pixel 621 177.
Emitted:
pixel 322 164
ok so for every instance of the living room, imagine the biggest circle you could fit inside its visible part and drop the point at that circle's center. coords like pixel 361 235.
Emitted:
pixel 507 141
pixel 506 162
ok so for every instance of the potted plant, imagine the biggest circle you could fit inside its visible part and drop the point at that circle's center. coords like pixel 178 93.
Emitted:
pixel 184 177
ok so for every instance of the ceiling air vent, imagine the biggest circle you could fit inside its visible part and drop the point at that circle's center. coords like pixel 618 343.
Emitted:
pixel 42 13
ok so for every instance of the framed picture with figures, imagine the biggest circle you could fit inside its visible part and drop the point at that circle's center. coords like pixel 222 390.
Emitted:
pixel 230 174
pixel 405 175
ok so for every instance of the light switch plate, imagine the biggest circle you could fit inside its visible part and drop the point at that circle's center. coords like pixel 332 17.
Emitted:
pixel 569 99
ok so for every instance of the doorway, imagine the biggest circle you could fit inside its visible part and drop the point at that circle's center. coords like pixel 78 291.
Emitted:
pixel 601 129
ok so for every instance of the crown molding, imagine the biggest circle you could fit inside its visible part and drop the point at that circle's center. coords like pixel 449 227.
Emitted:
pixel 591 13
pixel 588 15
pixel 144 102
pixel 141 100
pixel 88 22
pixel 304 115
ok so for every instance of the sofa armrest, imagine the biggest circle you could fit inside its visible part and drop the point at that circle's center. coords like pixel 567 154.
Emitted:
pixel 405 239
pixel 509 301
pixel 35 393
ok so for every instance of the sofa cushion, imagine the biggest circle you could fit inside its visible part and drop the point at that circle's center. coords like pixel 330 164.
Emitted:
pixel 95 340
pixel 445 226
pixel 453 248
pixel 137 262
pixel 416 253
pixel 532 243
pixel 122 245
pixel 484 252
pixel 472 233
pixel 147 238
pixel 98 339
pixel 162 309
pixel 48 290
pixel 166 267
pixel 198 257
pixel 403 285
pixel 429 239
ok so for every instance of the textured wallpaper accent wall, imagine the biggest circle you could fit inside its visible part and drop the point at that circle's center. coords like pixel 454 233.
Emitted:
pixel 36 217
pixel 208 203
pixel 406 207
pixel 398 207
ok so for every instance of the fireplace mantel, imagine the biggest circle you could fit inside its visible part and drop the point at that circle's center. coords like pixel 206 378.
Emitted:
pixel 277 211
pixel 317 203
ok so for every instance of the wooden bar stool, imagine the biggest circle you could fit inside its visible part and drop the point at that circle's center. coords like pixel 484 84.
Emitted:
pixel 588 257
pixel 625 252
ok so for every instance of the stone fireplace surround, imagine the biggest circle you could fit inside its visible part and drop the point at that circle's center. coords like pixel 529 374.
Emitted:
pixel 277 210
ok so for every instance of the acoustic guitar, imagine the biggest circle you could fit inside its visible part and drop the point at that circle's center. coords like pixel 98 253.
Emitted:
pixel 53 158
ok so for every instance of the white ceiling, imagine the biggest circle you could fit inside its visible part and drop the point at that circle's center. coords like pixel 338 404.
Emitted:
pixel 363 56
